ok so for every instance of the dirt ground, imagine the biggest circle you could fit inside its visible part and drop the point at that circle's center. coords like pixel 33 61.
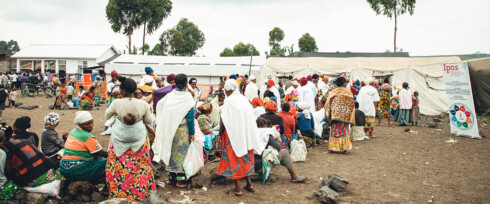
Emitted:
pixel 396 167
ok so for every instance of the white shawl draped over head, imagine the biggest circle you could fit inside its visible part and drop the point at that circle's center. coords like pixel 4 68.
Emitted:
pixel 251 91
pixel 239 120
pixel 170 112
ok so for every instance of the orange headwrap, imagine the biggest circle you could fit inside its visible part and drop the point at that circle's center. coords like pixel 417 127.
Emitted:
pixel 271 105
pixel 257 101
pixel 325 79
pixel 63 90
pixel 271 83
pixel 288 97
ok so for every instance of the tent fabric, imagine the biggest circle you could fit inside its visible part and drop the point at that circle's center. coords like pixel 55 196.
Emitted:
pixel 479 75
pixel 422 73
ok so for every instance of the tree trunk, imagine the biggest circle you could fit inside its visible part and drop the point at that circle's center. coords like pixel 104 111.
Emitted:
pixel 394 39
pixel 129 36
pixel 144 34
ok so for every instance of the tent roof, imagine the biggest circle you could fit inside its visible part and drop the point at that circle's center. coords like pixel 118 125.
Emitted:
pixel 479 64
pixel 63 51
pixel 190 70
pixel 178 60
pixel 286 65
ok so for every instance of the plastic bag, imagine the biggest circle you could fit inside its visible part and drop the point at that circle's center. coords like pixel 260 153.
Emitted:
pixel 298 150
pixel 50 189
pixel 194 159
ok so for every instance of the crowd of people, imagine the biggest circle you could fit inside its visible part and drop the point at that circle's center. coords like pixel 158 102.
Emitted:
pixel 246 127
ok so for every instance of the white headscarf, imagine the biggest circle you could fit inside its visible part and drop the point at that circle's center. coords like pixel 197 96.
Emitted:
pixel 82 117
pixel 231 85
pixel 147 79
pixel 306 109
pixel 51 119
pixel 369 81
pixel 252 77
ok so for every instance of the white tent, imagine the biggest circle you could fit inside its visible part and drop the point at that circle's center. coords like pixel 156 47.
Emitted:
pixel 422 73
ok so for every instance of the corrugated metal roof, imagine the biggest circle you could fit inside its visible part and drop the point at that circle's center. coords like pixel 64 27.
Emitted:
pixel 63 51
pixel 194 61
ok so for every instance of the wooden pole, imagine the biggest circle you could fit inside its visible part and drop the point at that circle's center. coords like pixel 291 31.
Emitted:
pixel 251 55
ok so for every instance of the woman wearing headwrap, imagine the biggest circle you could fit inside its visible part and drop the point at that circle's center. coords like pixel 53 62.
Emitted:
pixel 61 100
pixel 341 114
pixel 368 98
pixel 239 137
pixel 271 108
pixel 51 143
pixel 128 170
pixel 84 159
pixel 258 106
pixel 251 90
pixel 175 131
pixel 20 129
pixel 272 88
pixel 149 76
pixel 194 90
pixel 405 104
pixel 306 123
pixel 384 102
pixel 209 129
pixel 88 99
pixel 306 94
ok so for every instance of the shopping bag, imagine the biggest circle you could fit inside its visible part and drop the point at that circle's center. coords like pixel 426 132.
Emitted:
pixel 194 159
pixel 298 150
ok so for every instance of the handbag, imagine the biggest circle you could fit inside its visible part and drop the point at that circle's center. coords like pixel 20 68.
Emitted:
pixel 194 159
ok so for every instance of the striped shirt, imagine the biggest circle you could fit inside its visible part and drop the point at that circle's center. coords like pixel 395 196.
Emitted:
pixel 80 145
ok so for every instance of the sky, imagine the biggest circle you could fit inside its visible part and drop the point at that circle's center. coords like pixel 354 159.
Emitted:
pixel 437 27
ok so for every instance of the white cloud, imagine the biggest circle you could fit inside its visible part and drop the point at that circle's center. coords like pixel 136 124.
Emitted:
pixel 437 27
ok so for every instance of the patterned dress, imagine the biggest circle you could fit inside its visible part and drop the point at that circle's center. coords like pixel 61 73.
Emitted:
pixel 205 123
pixel 384 102
pixel 230 165
pixel 130 175
pixel 180 144
pixel 340 112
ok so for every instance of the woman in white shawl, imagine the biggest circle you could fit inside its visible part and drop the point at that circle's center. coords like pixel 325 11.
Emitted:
pixel 175 131
pixel 405 103
pixel 239 137
pixel 128 170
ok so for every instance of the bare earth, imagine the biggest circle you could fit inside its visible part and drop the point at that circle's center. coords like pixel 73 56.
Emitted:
pixel 396 167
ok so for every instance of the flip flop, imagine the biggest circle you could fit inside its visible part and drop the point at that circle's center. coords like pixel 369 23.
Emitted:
pixel 300 180
pixel 233 193
pixel 182 185
pixel 251 190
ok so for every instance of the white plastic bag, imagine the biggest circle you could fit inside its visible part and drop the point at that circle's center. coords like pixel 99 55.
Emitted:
pixel 50 189
pixel 194 159
pixel 298 150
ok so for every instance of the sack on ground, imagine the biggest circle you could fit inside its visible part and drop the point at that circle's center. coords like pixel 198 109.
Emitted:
pixel 298 150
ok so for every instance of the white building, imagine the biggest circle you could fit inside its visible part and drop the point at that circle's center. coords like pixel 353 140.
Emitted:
pixel 69 58
pixel 206 70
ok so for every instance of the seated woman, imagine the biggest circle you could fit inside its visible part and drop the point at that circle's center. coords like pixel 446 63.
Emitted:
pixel 306 124
pixel 23 166
pixel 81 92
pixel 87 100
pixel 60 102
pixel 20 129
pixel 269 141
pixel 128 170
pixel 209 129
pixel 82 155
pixel 51 143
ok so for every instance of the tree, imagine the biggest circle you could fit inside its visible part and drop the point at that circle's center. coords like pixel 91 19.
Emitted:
pixel 227 52
pixel 184 39
pixel 276 35
pixel 144 48
pixel 307 43
pixel 393 8
pixel 157 50
pixel 152 14
pixel 10 47
pixel 125 16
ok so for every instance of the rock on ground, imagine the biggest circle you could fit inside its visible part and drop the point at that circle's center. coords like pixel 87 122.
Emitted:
pixel 200 181
pixel 80 187
pixel 327 195
pixel 116 201
pixel 432 124
pixel 337 183
pixel 97 197
pixel 83 197
pixel 34 198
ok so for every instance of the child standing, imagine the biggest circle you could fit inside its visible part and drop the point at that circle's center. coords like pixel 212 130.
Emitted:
pixel 70 91
pixel 415 109
pixel 12 96
pixel 358 129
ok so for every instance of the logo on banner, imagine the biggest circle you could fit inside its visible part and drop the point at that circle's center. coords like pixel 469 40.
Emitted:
pixel 461 117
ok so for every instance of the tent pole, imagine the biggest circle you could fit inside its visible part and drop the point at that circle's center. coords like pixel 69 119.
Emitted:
pixel 251 54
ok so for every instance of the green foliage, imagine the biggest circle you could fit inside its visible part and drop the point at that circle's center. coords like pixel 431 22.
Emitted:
pixel 391 8
pixel 124 15
pixel 291 49
pixel 144 48
pixel 152 14
pixel 10 47
pixel 227 52
pixel 157 50
pixel 184 39
pixel 276 35
pixel 307 43
pixel 240 49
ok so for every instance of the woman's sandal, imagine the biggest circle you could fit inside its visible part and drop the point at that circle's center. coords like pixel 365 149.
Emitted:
pixel 300 180
pixel 251 190
pixel 233 193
